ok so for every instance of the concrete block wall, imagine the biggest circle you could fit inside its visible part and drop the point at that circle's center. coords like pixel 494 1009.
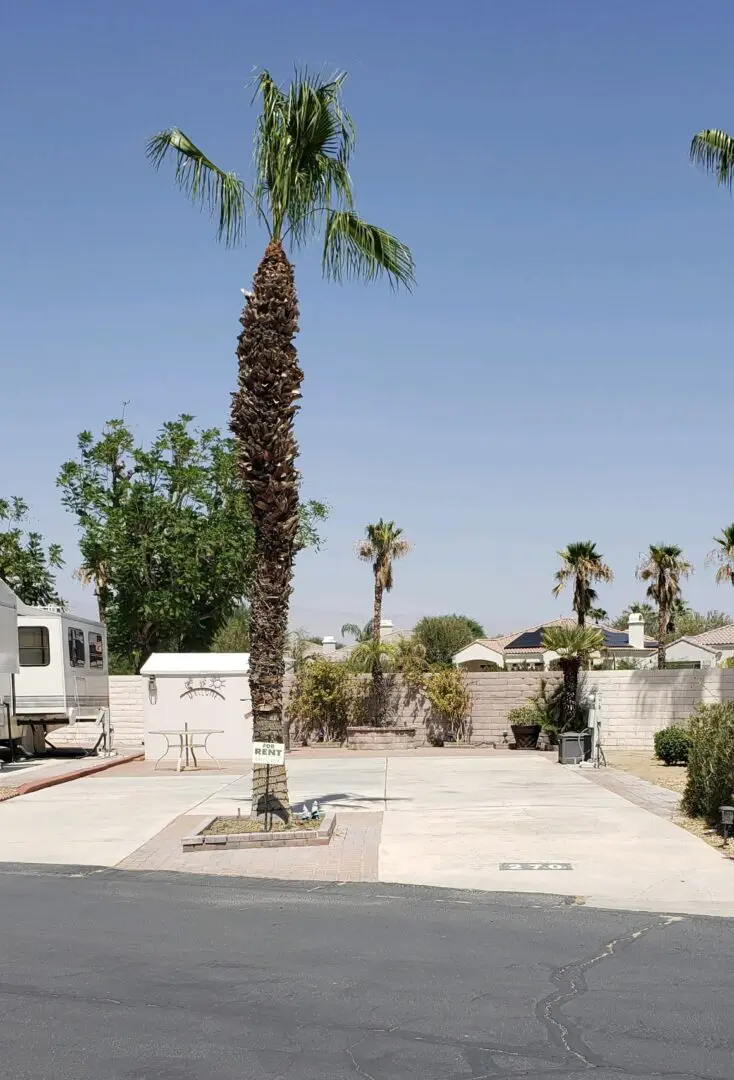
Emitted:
pixel 636 704
pixel 126 712
pixel 126 709
pixel 494 693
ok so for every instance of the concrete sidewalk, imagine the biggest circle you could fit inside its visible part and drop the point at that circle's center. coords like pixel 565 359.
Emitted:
pixel 451 821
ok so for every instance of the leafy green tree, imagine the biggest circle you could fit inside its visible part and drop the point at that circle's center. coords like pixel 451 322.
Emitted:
pixel 723 556
pixel 26 565
pixel 442 636
pixel 166 536
pixel 574 645
pixel 382 545
pixel 663 567
pixel 689 623
pixel 234 635
pixel 301 189
pixel 582 564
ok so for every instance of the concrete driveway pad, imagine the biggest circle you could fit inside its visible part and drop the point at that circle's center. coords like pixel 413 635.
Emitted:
pixel 448 821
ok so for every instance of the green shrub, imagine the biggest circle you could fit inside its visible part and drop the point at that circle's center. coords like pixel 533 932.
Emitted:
pixel 525 714
pixel 710 761
pixel 672 745
pixel 450 700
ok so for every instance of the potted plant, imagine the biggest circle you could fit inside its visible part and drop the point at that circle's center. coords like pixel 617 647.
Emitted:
pixel 525 723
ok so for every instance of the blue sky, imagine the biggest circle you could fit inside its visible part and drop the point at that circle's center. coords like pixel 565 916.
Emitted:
pixel 562 370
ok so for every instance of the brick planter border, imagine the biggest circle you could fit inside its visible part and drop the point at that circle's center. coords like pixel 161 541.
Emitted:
pixel 293 838
pixel 380 738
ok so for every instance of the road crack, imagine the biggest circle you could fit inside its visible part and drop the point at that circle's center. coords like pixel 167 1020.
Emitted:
pixel 571 984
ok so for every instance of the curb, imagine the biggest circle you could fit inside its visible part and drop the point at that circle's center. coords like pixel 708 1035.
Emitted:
pixel 64 778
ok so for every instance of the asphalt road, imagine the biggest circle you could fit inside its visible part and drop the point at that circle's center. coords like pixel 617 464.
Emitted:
pixel 119 976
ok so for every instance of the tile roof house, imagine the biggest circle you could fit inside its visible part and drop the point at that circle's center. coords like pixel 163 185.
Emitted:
pixel 709 649
pixel 525 648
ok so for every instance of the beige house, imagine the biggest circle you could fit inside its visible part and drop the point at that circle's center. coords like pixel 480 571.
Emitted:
pixel 525 650
pixel 709 649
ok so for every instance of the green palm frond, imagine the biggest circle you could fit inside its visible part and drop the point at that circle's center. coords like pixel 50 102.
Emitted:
pixel 723 556
pixel 208 186
pixel 355 249
pixel 303 142
pixel 383 543
pixel 713 150
pixel 573 642
pixel 663 566
pixel 368 656
pixel 303 145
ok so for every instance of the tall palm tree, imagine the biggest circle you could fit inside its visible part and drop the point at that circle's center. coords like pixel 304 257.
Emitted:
pixel 724 556
pixel 383 544
pixel 301 189
pixel 663 566
pixel 574 644
pixel 582 564
pixel 713 150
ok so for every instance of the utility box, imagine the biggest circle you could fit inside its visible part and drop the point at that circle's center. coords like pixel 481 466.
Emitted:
pixel 574 747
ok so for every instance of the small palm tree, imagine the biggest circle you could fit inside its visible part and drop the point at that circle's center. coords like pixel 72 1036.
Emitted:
pixel 724 556
pixel 301 189
pixel 574 644
pixel 663 566
pixel 382 545
pixel 582 564
pixel 359 633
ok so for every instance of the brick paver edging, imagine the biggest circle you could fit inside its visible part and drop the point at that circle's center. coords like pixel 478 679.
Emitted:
pixel 63 778
pixel 293 838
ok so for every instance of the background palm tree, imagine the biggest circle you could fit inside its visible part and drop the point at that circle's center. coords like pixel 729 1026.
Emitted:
pixel 301 188
pixel 724 556
pixel 713 150
pixel 359 633
pixel 574 644
pixel 382 545
pixel 582 564
pixel 663 566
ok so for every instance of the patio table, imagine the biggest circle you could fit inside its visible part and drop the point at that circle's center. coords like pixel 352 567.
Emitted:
pixel 186 741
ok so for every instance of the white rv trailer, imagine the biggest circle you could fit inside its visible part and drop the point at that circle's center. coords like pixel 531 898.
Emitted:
pixel 8 660
pixel 62 667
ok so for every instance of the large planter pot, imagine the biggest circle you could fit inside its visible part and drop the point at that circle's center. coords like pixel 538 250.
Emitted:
pixel 526 735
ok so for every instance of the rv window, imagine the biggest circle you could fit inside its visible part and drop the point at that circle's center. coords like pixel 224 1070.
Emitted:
pixel 76 647
pixel 96 653
pixel 33 648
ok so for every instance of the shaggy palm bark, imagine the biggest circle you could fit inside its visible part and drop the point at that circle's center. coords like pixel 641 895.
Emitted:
pixel 263 412
pixel 570 668
pixel 662 630
pixel 378 676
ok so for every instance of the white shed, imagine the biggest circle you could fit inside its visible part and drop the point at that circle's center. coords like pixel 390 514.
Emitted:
pixel 204 691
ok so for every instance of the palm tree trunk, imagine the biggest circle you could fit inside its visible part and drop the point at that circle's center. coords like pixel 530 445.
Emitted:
pixel 662 630
pixel 570 691
pixel 378 677
pixel 263 411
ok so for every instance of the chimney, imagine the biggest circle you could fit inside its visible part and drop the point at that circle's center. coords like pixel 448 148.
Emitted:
pixel 328 645
pixel 636 630
pixel 385 625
